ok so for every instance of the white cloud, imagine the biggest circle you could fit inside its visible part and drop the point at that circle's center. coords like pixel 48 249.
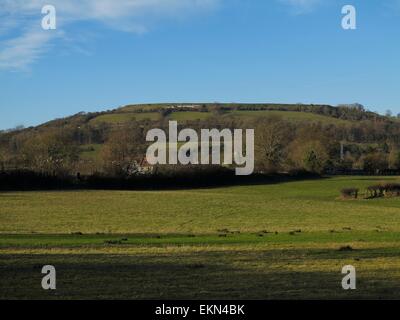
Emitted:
pixel 301 6
pixel 21 18
pixel 20 52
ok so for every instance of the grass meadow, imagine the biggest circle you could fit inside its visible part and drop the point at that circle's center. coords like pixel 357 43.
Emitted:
pixel 127 115
pixel 277 241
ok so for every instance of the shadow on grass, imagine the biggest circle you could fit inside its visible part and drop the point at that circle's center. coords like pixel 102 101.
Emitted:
pixel 204 275
pixel 211 178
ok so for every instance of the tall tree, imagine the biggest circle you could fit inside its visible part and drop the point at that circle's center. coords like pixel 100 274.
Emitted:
pixel 123 150
pixel 271 141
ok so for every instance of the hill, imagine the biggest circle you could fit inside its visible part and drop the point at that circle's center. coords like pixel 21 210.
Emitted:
pixel 94 142
pixel 201 111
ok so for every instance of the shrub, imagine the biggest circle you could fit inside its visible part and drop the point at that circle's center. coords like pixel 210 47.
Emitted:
pixel 388 189
pixel 346 248
pixel 376 191
pixel 349 193
pixel 392 189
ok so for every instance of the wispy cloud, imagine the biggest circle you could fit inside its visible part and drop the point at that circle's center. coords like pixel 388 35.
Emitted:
pixel 22 41
pixel 18 53
pixel 301 6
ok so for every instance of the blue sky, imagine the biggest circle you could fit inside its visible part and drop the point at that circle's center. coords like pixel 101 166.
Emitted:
pixel 107 53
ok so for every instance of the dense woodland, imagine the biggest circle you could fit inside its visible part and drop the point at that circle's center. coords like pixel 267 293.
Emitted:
pixel 364 142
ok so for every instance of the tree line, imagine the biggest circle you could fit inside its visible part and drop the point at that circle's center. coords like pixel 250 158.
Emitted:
pixel 370 144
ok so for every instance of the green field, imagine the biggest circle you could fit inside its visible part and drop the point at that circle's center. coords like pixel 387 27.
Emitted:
pixel 90 151
pixel 289 116
pixel 285 240
pixel 189 116
pixel 127 115
pixel 120 118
